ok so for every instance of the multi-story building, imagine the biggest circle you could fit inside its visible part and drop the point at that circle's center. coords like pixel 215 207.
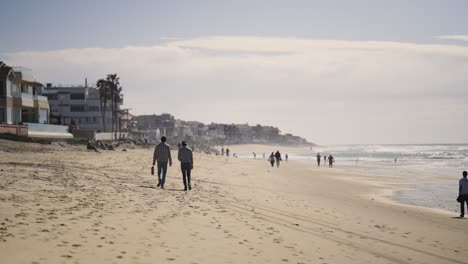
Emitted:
pixel 198 128
pixel 81 104
pixel 20 101
pixel 155 126
pixel 215 131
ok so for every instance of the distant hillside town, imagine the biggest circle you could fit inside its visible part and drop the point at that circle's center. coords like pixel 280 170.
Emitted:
pixel 96 112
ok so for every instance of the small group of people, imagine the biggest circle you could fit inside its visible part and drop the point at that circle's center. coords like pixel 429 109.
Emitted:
pixel 227 151
pixel 162 156
pixel 330 159
pixel 275 157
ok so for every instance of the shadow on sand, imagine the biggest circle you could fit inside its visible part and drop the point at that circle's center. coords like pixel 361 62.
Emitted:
pixel 167 189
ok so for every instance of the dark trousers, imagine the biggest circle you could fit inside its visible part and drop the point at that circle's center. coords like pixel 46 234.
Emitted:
pixel 162 170
pixel 186 169
pixel 318 162
pixel 462 204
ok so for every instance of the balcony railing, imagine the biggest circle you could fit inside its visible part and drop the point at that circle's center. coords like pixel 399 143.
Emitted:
pixel 41 98
pixel 27 96
pixel 25 72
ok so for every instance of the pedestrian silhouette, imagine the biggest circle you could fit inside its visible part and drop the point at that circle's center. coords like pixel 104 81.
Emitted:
pixel 185 157
pixel 162 154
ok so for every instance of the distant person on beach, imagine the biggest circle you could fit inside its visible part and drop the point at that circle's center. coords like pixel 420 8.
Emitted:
pixel 185 157
pixel 286 157
pixel 331 160
pixel 254 154
pixel 263 155
pixel 227 152
pixel 278 158
pixel 90 146
pixel 463 194
pixel 324 160
pixel 271 159
pixel 162 154
pixel 222 151
pixel 319 158
pixel 72 126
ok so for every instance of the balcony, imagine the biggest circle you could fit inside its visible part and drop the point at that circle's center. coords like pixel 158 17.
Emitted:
pixel 26 74
pixel 27 100
pixel 41 98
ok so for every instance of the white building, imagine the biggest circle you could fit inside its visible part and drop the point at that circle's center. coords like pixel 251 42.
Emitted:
pixel 20 101
pixel 81 104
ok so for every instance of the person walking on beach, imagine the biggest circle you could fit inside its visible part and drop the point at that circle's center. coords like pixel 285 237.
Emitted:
pixel 271 159
pixel 263 155
pixel 463 194
pixel 278 158
pixel 185 157
pixel 162 154
pixel 222 151
pixel 319 158
pixel 331 160
pixel 227 152
pixel 254 154
pixel 325 160
pixel 286 157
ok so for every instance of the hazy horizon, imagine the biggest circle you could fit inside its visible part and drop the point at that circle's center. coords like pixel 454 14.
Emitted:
pixel 366 72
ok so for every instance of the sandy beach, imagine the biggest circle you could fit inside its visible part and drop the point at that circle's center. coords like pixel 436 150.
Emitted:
pixel 62 204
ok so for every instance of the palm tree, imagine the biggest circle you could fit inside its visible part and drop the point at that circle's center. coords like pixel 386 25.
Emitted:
pixel 115 97
pixel 104 95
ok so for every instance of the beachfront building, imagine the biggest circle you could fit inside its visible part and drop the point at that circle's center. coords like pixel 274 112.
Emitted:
pixel 215 131
pixel 152 127
pixel 20 101
pixel 198 128
pixel 81 104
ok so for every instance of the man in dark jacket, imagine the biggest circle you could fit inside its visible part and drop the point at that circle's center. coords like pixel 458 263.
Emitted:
pixel 278 158
pixel 185 157
pixel 463 192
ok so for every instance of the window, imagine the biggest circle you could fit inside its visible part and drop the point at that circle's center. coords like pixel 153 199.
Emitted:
pixel 52 96
pixel 77 108
pixel 2 115
pixel 93 108
pixel 77 96
pixel 43 114
pixel 2 89
pixel 15 90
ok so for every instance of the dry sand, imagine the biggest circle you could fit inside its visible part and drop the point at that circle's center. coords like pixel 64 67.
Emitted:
pixel 64 205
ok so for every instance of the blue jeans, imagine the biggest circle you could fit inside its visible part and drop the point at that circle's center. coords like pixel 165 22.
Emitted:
pixel 162 169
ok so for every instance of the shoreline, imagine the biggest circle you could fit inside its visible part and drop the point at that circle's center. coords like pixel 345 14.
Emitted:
pixel 402 180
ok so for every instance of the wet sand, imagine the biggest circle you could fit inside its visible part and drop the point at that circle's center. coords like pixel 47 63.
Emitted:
pixel 60 204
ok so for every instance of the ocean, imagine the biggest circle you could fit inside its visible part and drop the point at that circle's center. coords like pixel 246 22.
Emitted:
pixel 427 174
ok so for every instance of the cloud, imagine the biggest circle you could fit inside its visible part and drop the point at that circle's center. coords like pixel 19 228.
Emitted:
pixel 316 88
pixel 454 37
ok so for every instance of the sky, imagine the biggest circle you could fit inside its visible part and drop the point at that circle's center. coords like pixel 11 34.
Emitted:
pixel 334 72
